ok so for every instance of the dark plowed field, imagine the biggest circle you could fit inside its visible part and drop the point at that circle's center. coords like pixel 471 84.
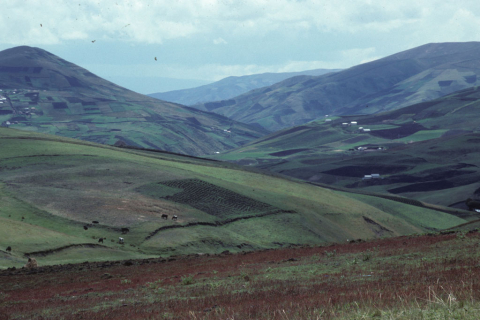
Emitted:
pixel 287 152
pixel 360 171
pixel 401 132
pixel 424 186
pixel 214 200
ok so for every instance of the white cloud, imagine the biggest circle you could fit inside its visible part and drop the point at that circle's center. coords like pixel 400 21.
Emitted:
pixel 161 20
pixel 219 41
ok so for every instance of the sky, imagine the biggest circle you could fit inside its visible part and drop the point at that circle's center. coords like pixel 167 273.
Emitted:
pixel 156 46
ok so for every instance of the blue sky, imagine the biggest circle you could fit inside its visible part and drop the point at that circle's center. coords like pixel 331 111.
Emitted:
pixel 201 41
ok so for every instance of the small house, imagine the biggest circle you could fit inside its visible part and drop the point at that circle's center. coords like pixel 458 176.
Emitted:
pixel 353 123
pixel 345 124
pixel 366 130
pixel 375 176
pixel 361 128
pixel 328 120
pixel 367 177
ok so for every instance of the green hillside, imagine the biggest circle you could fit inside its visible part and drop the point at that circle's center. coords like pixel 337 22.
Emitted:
pixel 413 76
pixel 60 195
pixel 427 151
pixel 44 93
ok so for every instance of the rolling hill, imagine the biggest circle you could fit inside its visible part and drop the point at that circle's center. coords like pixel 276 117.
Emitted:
pixel 42 92
pixel 60 196
pixel 416 75
pixel 428 151
pixel 230 87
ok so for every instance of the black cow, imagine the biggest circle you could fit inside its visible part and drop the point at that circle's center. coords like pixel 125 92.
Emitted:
pixel 125 230
pixel 175 217
pixel 165 216
pixel 100 240
pixel 9 249
pixel 85 227
pixel 94 221
pixel 472 204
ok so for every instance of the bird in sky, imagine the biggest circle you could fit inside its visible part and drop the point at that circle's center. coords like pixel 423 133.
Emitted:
pixel 41 25
pixel 94 41
pixel 155 58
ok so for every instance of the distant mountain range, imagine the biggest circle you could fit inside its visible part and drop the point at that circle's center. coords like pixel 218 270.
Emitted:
pixel 231 87
pixel 420 74
pixel 428 151
pixel 45 93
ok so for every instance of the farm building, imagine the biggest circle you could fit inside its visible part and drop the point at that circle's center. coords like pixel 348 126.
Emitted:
pixel 367 177
pixel 353 123
pixel 366 130
pixel 345 124
pixel 328 120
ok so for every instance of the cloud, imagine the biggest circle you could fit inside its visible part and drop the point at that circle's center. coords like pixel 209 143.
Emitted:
pixel 154 22
pixel 219 41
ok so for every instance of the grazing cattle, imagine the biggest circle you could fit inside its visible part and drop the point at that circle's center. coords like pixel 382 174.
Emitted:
pixel 100 240
pixel 94 221
pixel 120 240
pixel 85 227
pixel 165 216
pixel 32 263
pixel 9 249
pixel 174 217
pixel 125 230
pixel 23 218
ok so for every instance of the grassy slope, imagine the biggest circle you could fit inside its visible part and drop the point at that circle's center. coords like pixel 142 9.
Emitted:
pixel 58 185
pixel 428 143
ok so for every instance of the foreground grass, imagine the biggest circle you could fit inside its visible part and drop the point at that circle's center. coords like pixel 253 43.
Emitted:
pixel 421 277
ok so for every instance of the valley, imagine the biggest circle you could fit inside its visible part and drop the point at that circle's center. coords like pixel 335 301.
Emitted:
pixel 426 151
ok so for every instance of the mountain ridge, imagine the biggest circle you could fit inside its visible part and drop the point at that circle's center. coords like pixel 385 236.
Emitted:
pixel 46 93
pixel 411 76
pixel 230 87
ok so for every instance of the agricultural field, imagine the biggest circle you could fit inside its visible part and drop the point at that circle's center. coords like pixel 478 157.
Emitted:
pixel 428 151
pixel 430 276
pixel 69 201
